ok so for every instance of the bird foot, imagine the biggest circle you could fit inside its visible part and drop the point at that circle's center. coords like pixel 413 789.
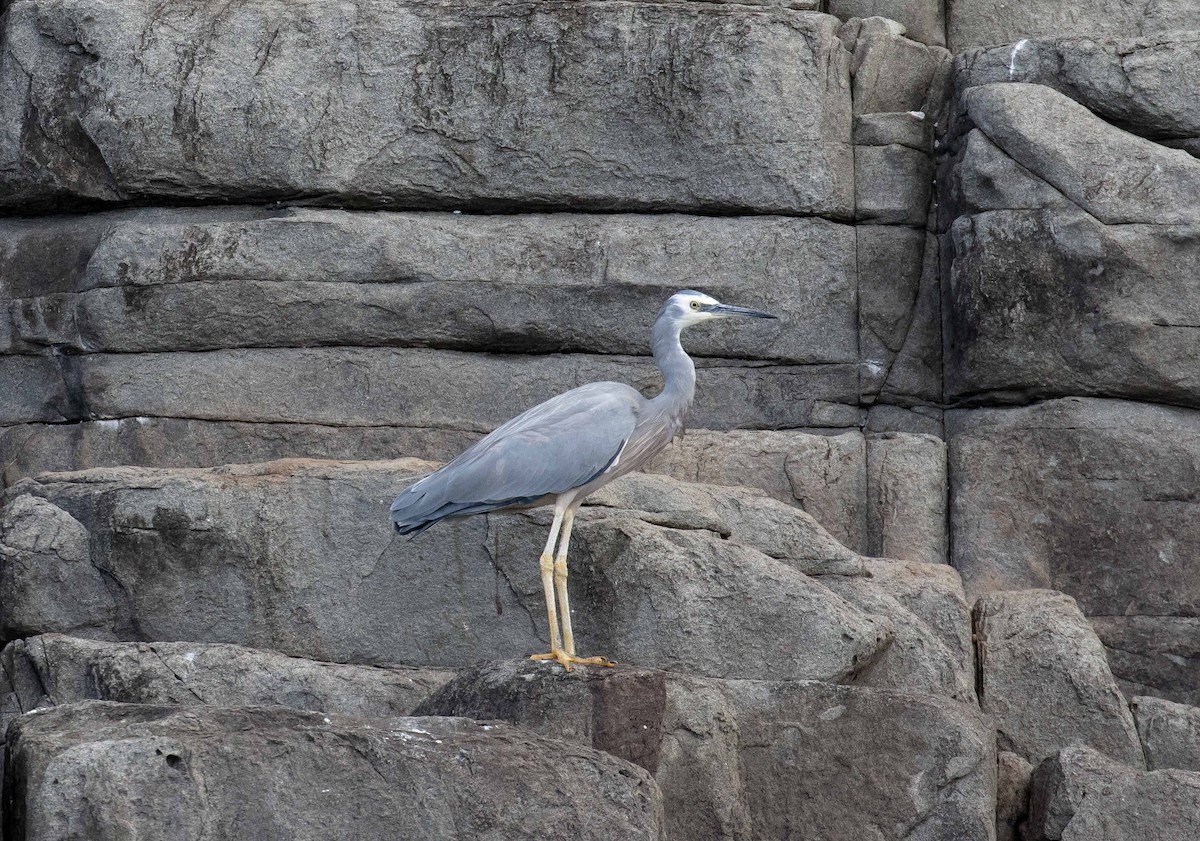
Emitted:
pixel 567 660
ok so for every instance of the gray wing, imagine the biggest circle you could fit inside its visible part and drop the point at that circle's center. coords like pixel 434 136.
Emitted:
pixel 549 449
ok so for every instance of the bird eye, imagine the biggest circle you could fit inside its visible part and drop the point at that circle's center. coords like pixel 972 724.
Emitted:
pixel 695 305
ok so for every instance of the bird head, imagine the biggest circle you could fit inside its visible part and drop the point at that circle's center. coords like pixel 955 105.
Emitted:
pixel 688 307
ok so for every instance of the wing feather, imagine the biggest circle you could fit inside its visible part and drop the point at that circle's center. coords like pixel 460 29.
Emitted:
pixel 549 449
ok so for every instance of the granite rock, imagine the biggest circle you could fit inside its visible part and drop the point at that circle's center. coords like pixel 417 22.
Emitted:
pixel 103 771
pixel 739 759
pixel 592 105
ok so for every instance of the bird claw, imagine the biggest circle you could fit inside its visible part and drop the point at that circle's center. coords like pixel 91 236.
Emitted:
pixel 566 660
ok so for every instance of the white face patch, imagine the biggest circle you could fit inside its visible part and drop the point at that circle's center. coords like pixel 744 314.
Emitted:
pixel 693 306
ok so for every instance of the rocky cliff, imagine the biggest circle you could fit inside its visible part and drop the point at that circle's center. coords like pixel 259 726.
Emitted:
pixel 925 566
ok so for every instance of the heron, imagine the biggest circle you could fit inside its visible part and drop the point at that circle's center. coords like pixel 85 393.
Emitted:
pixel 561 450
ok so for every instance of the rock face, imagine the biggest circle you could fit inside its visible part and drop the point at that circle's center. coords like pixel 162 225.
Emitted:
pixel 1044 677
pixel 54 669
pixel 1082 794
pixel 980 22
pixel 290 556
pixel 538 100
pixel 372 231
pixel 741 759
pixel 1089 497
pixel 102 771
pixel 162 280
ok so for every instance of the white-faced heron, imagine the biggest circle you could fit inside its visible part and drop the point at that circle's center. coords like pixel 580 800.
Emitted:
pixel 562 450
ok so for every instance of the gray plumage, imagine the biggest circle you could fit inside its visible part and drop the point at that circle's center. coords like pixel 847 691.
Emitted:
pixel 580 440
pixel 562 450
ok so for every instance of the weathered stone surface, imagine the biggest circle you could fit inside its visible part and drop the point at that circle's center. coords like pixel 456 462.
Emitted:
pixel 1115 176
pixel 892 184
pixel 1044 677
pixel 297 557
pixel 1048 303
pixel 906 128
pixel 1094 498
pixel 980 177
pixel 53 669
pixel 204 279
pixel 1146 85
pixel 972 23
pixel 1154 655
pixel 1170 733
pixel 447 389
pixel 1013 775
pixel 40 545
pixel 106 771
pixel 931 651
pixel 922 19
pixel 900 316
pixel 893 73
pixel 906 502
pixel 595 105
pixel 1081 795
pixel 30 449
pixel 738 759
pixel 825 475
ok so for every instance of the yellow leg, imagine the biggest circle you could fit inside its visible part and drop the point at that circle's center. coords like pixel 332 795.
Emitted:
pixel 564 602
pixel 547 564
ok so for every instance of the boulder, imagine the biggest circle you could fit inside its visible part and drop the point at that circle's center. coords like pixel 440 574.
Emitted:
pixel 1051 302
pixel 46 572
pixel 1115 176
pixel 1092 498
pixel 170 279
pixel 979 177
pixel 53 669
pixel 297 557
pixel 1044 677
pixel 106 771
pixel 441 388
pixel 1081 794
pixel 1144 84
pixel 972 23
pixel 581 105
pixel 1170 733
pixel 739 759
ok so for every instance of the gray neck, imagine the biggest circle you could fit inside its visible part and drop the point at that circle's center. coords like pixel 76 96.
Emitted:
pixel 679 374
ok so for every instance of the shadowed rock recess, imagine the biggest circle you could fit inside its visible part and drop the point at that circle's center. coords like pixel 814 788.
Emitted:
pixel 923 567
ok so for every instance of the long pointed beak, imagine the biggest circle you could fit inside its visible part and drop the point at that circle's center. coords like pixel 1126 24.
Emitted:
pixel 725 309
